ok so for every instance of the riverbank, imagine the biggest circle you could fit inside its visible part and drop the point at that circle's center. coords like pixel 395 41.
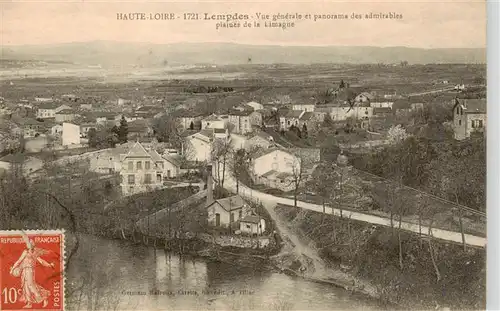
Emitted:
pixel 413 274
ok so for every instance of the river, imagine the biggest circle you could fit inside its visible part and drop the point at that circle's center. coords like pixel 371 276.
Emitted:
pixel 121 276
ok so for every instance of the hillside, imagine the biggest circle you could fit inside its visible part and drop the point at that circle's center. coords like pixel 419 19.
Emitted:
pixel 112 54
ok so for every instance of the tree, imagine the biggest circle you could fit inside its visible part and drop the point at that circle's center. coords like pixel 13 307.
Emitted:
pixel 123 131
pixel 11 139
pixel 341 84
pixel 92 135
pixel 396 134
pixel 322 184
pixel 297 178
pixel 166 130
pixel 220 153
pixel 239 165
pixel 304 131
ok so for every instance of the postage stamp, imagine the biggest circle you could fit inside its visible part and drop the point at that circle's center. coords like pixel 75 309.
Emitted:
pixel 32 270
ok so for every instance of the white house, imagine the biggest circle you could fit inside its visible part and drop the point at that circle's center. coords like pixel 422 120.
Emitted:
pixel 275 159
pixel 469 116
pixel 227 212
pixel 252 224
pixel 255 105
pixel 199 145
pixel 213 122
pixel 304 107
pixel 56 129
pixel 379 103
pixel 70 134
pixel 48 110
pixel 259 140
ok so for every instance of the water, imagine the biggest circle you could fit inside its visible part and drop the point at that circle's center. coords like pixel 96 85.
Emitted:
pixel 120 276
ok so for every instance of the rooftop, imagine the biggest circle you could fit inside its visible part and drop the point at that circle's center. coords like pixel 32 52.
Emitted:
pixel 251 219
pixel 49 105
pixel 231 203
pixel 473 105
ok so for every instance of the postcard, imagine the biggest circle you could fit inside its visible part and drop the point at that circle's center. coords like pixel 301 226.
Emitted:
pixel 256 155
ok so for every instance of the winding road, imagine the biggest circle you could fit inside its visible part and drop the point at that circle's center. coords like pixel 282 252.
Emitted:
pixel 268 199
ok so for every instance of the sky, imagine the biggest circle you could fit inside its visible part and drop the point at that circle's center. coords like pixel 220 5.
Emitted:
pixel 425 24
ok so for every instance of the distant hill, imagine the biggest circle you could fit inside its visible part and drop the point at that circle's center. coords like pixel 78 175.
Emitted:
pixel 106 54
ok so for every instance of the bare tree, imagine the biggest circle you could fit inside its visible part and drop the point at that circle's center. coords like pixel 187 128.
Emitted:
pixel 220 153
pixel 297 177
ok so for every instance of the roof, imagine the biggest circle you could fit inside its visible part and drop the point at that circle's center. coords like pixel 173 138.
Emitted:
pixel 236 112
pixel 212 117
pixel 269 173
pixel 294 114
pixel 473 105
pixel 367 95
pixel 139 125
pixel 251 219
pixel 284 175
pixel 231 203
pixel 263 135
pixel 307 116
pixel 182 113
pixel 138 151
pixel 65 111
pixel 264 152
pixel 155 156
pixel 223 131
pixel 175 160
pixel 382 110
pixel 30 121
pixel 49 105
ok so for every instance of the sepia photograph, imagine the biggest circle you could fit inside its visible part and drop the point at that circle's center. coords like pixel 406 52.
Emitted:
pixel 226 155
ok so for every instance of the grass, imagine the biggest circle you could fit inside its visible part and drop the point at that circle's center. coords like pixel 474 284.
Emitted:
pixel 372 253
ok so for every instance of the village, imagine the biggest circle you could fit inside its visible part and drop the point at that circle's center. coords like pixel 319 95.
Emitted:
pixel 242 177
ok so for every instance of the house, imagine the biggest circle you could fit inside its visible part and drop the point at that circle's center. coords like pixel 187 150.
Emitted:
pixel 48 110
pixel 56 129
pixel 382 112
pixel 259 140
pixel 227 212
pixel 28 164
pixel 65 115
pixel 255 106
pixel 240 121
pixel 381 103
pixel 139 129
pixel 304 107
pixel 275 159
pixel 469 116
pixel 189 120
pixel 290 118
pixel 342 113
pixel 459 87
pixel 31 127
pixel 86 106
pixel 214 122
pixel 85 128
pixel 108 161
pixel 199 145
pixel 103 118
pixel 253 224
pixel 364 97
pixel 140 170
pixel 70 134
pixel 43 99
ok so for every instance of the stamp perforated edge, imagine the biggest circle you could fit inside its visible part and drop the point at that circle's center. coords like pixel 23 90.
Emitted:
pixel 63 255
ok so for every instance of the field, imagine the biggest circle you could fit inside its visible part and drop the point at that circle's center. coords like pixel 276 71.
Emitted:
pixel 261 82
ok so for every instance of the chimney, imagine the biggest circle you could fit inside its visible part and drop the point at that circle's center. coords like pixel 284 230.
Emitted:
pixel 210 194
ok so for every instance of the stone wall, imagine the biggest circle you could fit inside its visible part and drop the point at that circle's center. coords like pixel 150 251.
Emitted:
pixel 237 241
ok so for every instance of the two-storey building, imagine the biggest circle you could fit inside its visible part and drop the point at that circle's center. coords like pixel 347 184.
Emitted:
pixel 469 116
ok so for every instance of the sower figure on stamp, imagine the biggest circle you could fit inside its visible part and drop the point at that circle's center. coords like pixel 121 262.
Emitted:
pixel 25 268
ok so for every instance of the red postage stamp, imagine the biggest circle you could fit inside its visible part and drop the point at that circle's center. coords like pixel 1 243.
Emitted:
pixel 32 270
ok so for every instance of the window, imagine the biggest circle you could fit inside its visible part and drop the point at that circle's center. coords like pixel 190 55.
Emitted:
pixel 459 122
pixel 458 110
pixel 248 226
pixel 288 122
pixel 461 111
pixel 158 178
pixel 131 179
pixel 160 165
pixel 139 165
pixel 169 174
pixel 480 123
pixel 239 214
pixel 147 165
pixel 130 165
pixel 147 178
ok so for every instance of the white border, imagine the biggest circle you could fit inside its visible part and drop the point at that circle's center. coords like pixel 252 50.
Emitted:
pixel 62 255
pixel 493 156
